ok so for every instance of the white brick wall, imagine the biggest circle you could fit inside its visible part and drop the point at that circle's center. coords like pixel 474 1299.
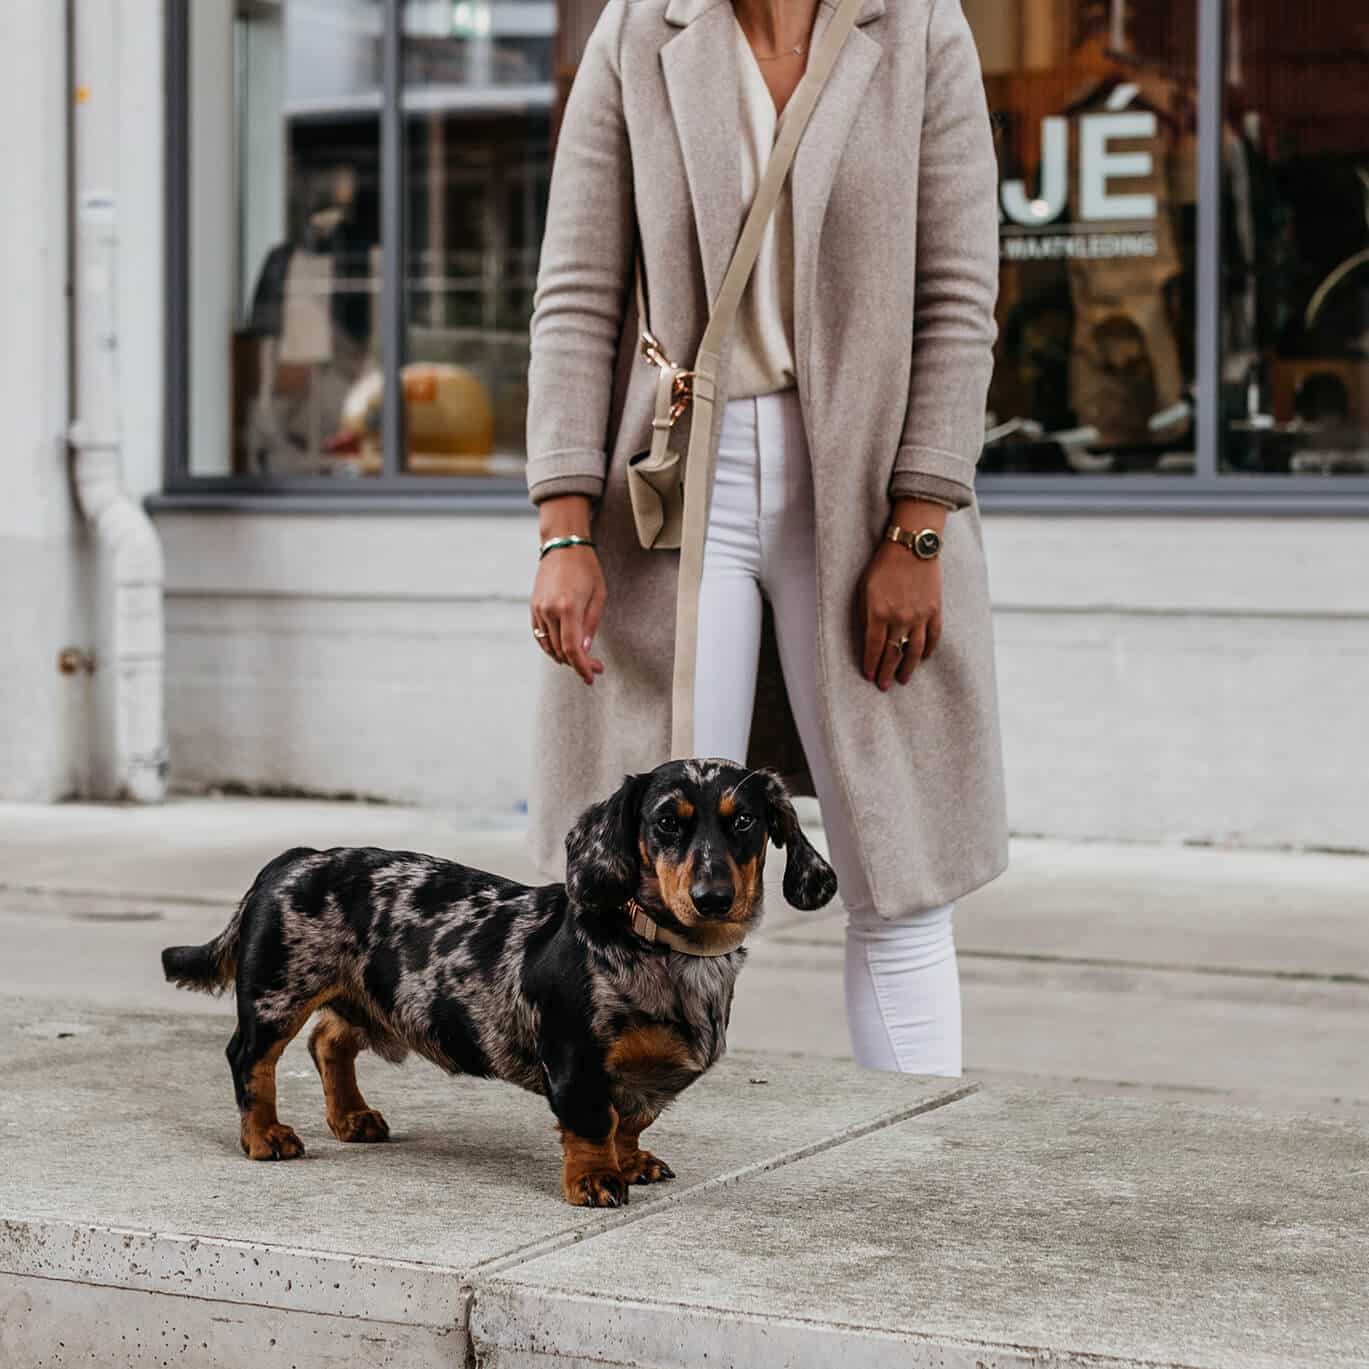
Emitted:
pixel 1173 679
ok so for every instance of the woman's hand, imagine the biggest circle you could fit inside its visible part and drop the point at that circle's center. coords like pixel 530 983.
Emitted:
pixel 900 596
pixel 569 593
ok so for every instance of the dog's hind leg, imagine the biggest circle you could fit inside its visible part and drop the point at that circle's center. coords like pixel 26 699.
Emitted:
pixel 334 1046
pixel 253 1053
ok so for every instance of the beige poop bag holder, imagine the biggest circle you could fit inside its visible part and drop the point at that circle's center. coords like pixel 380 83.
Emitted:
pixel 670 491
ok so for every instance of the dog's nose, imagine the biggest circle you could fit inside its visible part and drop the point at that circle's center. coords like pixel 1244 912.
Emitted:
pixel 711 900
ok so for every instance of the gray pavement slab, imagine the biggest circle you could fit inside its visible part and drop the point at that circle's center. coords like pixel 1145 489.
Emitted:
pixel 1004 1230
pixel 209 849
pixel 126 859
pixel 144 1109
pixel 1287 1043
pixel 120 1170
pixel 104 948
pixel 1168 970
pixel 1031 1011
pixel 1274 912
pixel 101 950
pixel 828 1216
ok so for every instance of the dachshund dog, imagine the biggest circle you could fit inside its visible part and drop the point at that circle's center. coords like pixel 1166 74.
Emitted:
pixel 608 994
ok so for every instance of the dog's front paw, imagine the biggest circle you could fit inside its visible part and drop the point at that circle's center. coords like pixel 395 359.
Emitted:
pixel 274 1142
pixel 646 1168
pixel 360 1126
pixel 597 1188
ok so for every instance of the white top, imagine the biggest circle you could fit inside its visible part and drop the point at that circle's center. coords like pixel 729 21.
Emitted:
pixel 763 350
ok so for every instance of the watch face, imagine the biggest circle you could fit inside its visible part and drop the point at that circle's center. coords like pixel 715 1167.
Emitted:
pixel 927 544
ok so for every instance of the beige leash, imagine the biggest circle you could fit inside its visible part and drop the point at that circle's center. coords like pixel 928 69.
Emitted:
pixel 704 381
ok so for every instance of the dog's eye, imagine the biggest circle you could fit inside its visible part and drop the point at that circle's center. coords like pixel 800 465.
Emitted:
pixel 668 825
pixel 743 822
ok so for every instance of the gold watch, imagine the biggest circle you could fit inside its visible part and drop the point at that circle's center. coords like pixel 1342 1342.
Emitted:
pixel 925 545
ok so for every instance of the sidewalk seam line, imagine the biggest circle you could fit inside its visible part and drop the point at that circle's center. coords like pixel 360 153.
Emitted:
pixel 1169 967
pixel 121 895
pixel 550 1245
pixel 1350 978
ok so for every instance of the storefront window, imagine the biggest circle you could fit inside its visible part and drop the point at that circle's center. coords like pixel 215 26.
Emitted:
pixel 1295 323
pixel 477 101
pixel 1095 107
pixel 358 195
pixel 286 233
pixel 284 248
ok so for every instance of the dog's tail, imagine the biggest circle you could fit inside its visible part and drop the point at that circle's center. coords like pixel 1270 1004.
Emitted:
pixel 212 967
pixel 209 968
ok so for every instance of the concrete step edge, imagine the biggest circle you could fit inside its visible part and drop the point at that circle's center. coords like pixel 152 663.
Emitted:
pixel 513 1326
pixel 328 1283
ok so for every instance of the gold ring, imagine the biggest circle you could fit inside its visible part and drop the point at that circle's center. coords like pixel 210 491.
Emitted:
pixel 901 644
pixel 539 633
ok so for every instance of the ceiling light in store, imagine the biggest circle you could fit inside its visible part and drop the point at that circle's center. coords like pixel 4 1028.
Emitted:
pixel 470 19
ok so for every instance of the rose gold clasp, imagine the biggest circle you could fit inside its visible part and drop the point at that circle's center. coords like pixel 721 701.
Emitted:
pixel 681 383
pixel 653 351
pixel 681 392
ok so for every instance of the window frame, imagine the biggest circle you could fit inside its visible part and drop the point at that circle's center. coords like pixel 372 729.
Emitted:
pixel 391 488
pixel 1207 491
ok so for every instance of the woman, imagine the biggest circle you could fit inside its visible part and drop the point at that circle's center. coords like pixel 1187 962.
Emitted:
pixel 852 405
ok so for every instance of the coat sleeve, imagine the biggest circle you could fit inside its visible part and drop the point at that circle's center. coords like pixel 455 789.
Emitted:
pixel 957 273
pixel 582 278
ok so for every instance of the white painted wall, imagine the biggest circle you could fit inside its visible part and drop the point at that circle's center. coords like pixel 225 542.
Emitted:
pixel 40 543
pixel 1181 679
pixel 1185 679
pixel 44 740
pixel 385 656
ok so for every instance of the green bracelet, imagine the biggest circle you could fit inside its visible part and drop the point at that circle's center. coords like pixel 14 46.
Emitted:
pixel 554 543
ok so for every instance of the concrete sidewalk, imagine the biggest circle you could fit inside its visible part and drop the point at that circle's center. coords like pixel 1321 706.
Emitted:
pixel 823 1216
pixel 1237 976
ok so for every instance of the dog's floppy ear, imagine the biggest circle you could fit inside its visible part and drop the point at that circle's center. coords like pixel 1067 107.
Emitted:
pixel 602 863
pixel 809 882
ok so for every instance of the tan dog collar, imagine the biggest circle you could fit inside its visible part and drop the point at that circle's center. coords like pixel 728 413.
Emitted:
pixel 650 930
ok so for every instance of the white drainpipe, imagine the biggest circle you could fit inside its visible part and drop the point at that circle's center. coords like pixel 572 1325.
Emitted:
pixel 129 736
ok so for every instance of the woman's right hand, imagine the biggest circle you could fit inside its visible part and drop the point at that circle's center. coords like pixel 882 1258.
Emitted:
pixel 569 593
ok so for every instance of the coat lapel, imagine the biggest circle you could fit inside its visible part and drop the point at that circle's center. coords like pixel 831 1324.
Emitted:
pixel 700 60
pixel 700 65
pixel 815 167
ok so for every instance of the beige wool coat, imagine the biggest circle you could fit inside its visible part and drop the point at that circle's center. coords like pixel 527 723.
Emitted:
pixel 895 279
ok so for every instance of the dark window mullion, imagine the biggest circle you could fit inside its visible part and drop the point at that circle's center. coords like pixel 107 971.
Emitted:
pixel 393 184
pixel 1211 102
pixel 176 231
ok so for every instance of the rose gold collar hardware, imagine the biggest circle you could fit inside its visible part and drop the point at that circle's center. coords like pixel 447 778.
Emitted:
pixel 640 921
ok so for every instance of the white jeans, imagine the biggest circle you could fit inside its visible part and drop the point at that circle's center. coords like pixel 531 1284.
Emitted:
pixel 902 983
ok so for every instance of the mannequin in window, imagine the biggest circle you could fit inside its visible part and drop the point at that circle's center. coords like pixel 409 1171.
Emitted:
pixel 312 311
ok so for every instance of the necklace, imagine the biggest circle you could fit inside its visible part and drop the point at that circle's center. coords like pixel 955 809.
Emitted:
pixel 795 51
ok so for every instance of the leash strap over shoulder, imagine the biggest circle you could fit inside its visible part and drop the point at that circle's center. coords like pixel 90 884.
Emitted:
pixel 700 455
